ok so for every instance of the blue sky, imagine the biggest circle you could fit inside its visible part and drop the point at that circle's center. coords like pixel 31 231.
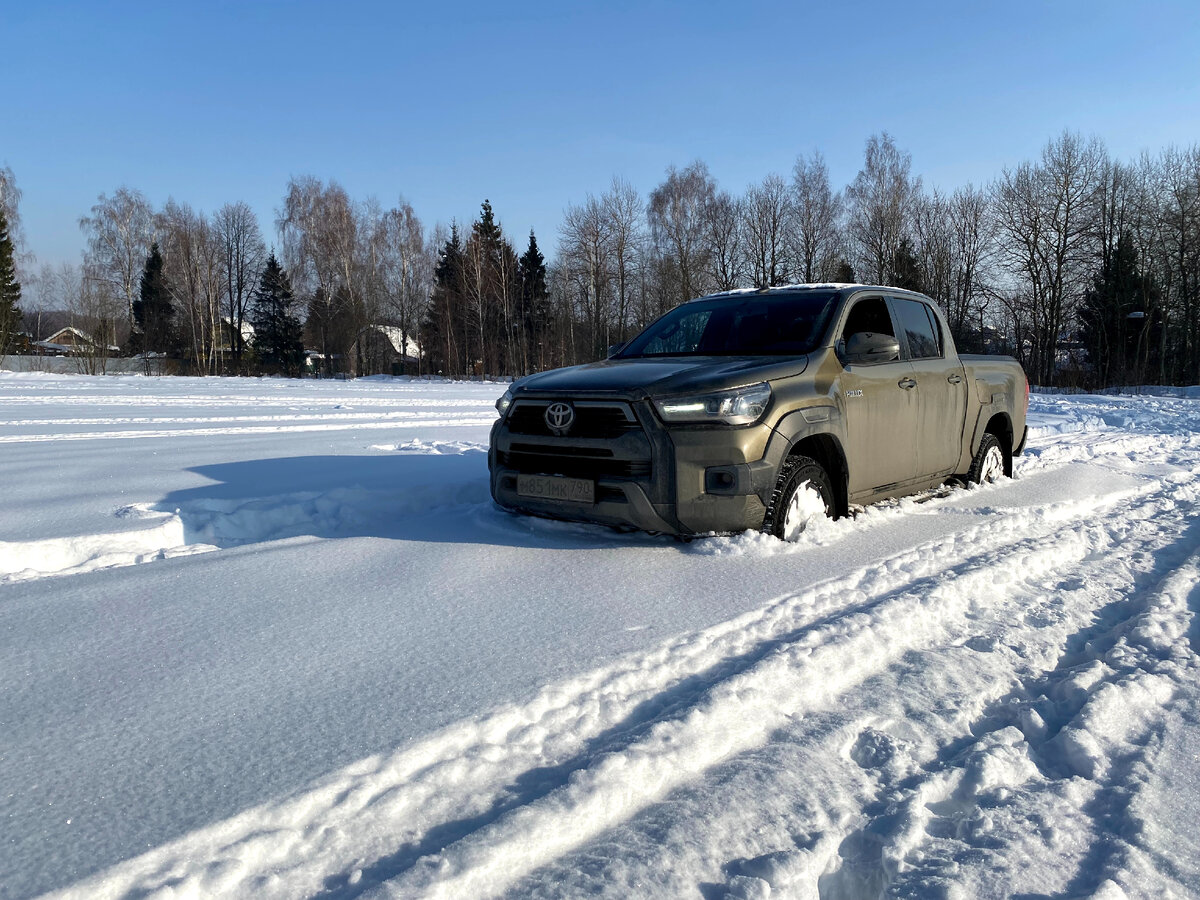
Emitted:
pixel 535 105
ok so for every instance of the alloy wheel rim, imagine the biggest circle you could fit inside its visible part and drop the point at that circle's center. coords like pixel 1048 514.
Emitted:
pixel 800 512
pixel 993 465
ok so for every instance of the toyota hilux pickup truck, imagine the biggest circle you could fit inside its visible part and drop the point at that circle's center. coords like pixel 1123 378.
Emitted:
pixel 759 410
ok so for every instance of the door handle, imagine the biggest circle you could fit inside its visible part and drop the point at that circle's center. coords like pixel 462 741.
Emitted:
pixel 955 379
pixel 907 383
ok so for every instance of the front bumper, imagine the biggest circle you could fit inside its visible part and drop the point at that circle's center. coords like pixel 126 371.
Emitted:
pixel 682 481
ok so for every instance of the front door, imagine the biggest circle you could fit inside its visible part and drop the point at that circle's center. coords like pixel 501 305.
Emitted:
pixel 880 406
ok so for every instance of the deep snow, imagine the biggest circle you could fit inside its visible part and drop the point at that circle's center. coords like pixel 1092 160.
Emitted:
pixel 270 638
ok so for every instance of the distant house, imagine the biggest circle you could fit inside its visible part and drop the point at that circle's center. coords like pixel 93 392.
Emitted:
pixel 69 341
pixel 382 349
pixel 225 342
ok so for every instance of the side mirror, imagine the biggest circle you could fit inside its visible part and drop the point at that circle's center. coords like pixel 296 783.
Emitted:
pixel 868 347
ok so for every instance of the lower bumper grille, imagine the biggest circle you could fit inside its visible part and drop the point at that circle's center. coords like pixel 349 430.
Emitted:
pixel 573 463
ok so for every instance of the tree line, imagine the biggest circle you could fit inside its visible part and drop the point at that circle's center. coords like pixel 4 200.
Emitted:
pixel 1084 267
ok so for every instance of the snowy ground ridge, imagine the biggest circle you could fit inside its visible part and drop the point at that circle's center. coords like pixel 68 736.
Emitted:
pixel 203 525
pixel 446 818
pixel 1081 731
pixel 160 537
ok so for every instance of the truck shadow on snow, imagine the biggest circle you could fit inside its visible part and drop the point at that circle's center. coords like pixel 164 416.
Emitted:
pixel 404 497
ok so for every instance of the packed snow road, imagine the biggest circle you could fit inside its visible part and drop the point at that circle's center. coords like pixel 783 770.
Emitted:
pixel 266 638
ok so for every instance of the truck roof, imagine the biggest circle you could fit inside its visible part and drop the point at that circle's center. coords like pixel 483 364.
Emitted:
pixel 792 288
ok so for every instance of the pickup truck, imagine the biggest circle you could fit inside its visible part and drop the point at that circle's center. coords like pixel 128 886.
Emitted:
pixel 759 409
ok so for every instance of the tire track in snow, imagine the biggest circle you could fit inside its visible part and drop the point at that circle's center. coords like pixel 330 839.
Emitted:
pixel 775 817
pixel 805 674
pixel 1063 741
pixel 513 790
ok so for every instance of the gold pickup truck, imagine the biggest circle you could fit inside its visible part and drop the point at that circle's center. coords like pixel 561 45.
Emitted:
pixel 759 409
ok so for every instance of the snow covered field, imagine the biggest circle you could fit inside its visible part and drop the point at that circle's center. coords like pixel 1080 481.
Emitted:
pixel 270 638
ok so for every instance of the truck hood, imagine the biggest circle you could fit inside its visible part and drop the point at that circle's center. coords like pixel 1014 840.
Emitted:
pixel 662 376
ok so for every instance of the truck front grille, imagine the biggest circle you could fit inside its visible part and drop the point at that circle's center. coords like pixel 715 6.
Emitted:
pixel 606 440
pixel 591 422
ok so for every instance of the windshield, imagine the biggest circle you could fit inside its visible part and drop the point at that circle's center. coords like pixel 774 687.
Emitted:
pixel 751 325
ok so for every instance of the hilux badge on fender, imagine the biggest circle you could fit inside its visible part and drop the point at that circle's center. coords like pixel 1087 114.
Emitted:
pixel 560 417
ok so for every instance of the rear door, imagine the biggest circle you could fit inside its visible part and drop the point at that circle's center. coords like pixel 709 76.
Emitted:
pixel 941 391
pixel 880 407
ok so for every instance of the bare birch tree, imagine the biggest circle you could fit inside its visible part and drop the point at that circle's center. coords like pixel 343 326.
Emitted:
pixel 119 233
pixel 816 211
pixel 624 211
pixel 1177 187
pixel 407 271
pixel 96 310
pixel 725 233
pixel 933 242
pixel 766 224
pixel 586 251
pixel 193 257
pixel 879 207
pixel 677 226
pixel 243 255
pixel 319 231
pixel 1046 217
pixel 10 203
pixel 972 234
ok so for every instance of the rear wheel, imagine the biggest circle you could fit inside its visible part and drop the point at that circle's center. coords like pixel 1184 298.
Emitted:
pixel 988 464
pixel 802 495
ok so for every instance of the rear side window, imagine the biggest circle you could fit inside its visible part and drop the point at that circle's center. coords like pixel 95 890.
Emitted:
pixel 917 322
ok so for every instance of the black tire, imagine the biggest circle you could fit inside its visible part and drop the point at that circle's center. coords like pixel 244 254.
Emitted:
pixel 797 473
pixel 989 463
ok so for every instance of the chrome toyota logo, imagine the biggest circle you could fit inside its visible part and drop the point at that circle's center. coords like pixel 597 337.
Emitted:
pixel 560 417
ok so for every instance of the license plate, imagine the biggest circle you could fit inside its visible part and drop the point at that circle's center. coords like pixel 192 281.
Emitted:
pixel 557 487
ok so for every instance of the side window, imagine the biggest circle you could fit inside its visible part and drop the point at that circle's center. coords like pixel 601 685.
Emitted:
pixel 869 315
pixel 916 321
pixel 936 329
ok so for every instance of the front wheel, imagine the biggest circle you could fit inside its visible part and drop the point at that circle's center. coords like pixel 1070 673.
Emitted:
pixel 988 464
pixel 802 495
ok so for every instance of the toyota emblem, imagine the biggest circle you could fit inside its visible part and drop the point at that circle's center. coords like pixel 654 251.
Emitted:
pixel 560 417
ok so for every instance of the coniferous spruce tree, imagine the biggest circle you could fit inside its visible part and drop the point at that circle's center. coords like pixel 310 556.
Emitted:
pixel 491 293
pixel 535 305
pixel 153 312
pixel 278 333
pixel 443 333
pixel 10 292
pixel 1121 328
pixel 905 269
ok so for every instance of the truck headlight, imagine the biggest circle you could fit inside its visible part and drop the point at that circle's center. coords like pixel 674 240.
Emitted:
pixel 504 403
pixel 741 406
